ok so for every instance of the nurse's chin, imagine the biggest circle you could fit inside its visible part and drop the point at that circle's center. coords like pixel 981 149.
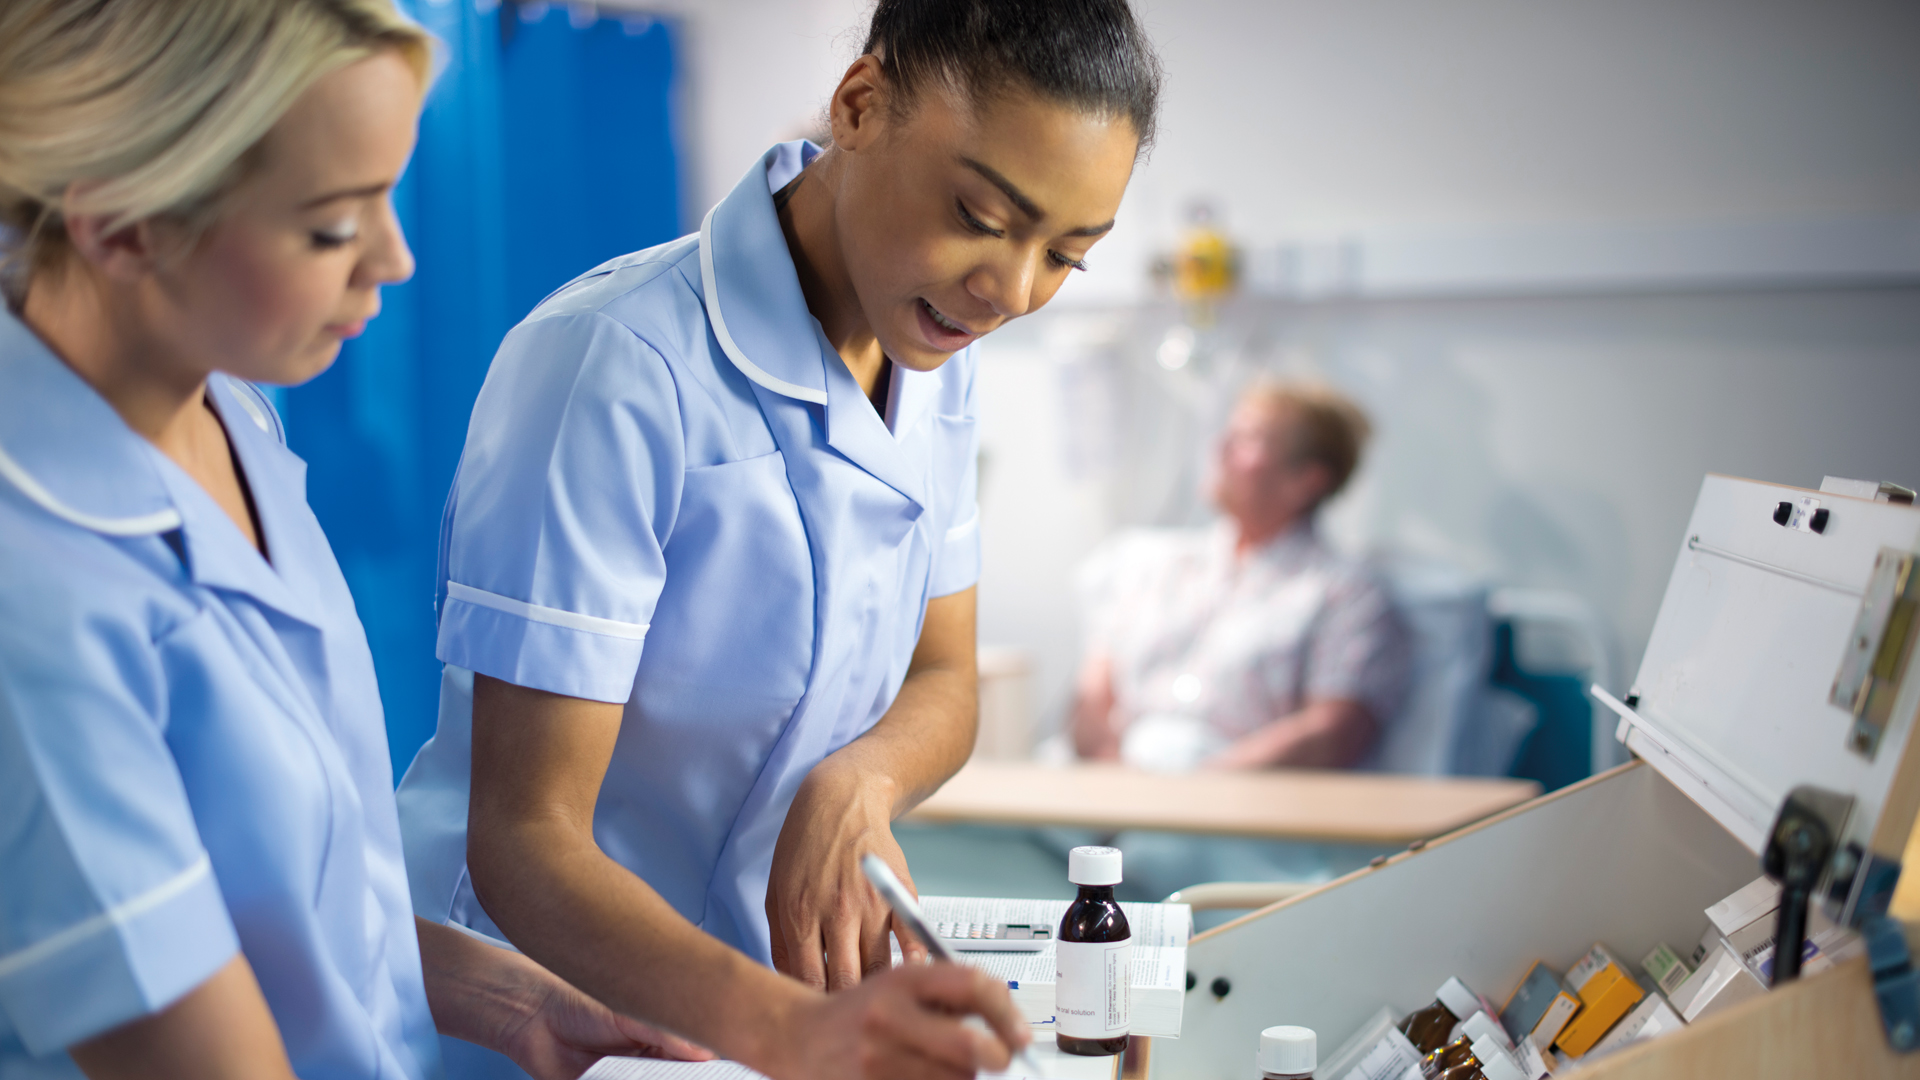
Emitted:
pixel 295 370
pixel 914 353
pixel 911 353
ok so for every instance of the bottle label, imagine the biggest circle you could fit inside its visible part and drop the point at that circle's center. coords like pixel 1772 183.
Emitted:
pixel 1392 1058
pixel 1091 987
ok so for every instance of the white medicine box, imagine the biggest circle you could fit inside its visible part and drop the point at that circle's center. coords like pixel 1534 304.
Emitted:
pixel 1762 628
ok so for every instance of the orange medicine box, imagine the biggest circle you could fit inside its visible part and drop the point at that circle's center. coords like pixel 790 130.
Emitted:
pixel 1606 992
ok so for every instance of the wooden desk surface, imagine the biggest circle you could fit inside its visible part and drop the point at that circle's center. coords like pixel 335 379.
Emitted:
pixel 1371 808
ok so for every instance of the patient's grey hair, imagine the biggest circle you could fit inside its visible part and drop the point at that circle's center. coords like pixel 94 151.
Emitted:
pixel 1329 429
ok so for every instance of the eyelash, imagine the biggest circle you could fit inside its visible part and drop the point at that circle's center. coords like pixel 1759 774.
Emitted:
pixel 984 229
pixel 328 241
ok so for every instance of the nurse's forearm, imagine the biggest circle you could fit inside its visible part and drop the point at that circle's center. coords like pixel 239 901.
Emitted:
pixel 502 1000
pixel 928 732
pixel 538 760
pixel 827 926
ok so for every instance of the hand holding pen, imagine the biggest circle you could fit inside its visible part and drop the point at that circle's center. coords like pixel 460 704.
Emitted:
pixel 906 911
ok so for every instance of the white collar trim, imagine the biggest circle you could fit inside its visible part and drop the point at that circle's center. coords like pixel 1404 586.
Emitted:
pixel 159 521
pixel 747 367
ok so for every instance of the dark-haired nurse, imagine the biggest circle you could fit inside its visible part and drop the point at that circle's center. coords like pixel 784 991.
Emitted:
pixel 708 566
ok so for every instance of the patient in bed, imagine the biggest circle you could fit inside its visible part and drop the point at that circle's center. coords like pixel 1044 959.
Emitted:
pixel 1249 643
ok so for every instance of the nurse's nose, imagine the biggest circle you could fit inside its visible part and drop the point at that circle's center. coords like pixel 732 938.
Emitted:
pixel 388 259
pixel 1007 286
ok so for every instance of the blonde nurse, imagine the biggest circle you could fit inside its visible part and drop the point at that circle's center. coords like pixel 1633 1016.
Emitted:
pixel 200 862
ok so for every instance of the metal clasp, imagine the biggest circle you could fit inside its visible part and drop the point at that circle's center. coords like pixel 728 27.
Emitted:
pixel 1896 986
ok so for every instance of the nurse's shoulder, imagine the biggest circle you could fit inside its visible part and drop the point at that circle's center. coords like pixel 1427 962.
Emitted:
pixel 625 346
pixel 85 522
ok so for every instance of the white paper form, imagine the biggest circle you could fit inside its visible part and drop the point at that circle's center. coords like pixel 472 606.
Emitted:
pixel 1058 1066
pixel 626 1068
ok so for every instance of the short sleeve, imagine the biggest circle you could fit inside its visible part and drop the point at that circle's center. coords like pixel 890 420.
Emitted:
pixel 109 909
pixel 957 558
pixel 566 493
pixel 1361 650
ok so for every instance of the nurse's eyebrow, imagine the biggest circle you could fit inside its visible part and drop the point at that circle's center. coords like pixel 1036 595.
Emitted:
pixel 1022 203
pixel 1019 198
pixel 365 191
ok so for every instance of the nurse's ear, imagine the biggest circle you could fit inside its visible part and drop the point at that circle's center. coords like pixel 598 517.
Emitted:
pixel 858 110
pixel 125 253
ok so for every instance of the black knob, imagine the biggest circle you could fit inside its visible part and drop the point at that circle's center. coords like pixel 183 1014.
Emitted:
pixel 1783 513
pixel 1221 987
pixel 1192 980
pixel 1819 522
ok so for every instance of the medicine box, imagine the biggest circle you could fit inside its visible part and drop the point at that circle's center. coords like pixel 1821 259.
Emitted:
pixel 1720 982
pixel 1539 1007
pixel 1728 712
pixel 1606 992
pixel 1745 919
pixel 1651 1018
pixel 1665 968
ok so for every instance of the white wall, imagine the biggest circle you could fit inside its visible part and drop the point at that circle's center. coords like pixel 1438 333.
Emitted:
pixel 755 72
pixel 1312 117
pixel 1556 440
pixel 1300 117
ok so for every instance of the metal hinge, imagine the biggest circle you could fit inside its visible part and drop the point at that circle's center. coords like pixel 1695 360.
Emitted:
pixel 1878 649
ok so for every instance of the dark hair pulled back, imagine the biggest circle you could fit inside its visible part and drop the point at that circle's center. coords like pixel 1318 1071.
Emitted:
pixel 1086 54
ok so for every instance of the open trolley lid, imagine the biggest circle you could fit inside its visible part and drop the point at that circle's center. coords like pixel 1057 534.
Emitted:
pixel 1782 602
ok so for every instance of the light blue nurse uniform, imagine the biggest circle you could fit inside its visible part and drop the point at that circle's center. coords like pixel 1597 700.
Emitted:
pixel 675 496
pixel 193 759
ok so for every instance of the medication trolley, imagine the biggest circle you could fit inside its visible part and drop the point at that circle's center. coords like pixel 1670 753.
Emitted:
pixel 1778 666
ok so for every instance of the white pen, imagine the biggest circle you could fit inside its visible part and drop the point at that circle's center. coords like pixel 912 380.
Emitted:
pixel 907 910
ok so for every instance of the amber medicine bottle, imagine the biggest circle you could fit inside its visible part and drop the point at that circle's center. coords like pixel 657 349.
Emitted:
pixel 1473 1029
pixel 1428 1028
pixel 1454 1053
pixel 1095 955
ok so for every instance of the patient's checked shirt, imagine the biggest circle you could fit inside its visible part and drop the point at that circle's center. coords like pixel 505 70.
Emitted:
pixel 1194 629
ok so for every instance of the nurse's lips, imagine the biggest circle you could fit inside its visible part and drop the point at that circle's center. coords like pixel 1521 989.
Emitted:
pixel 350 329
pixel 949 336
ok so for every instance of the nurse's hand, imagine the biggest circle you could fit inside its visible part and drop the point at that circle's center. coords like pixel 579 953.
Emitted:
pixel 503 1001
pixel 828 927
pixel 904 1025
pixel 568 1031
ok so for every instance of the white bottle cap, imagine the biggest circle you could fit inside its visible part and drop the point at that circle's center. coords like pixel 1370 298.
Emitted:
pixel 1094 866
pixel 1481 1026
pixel 1287 1050
pixel 1500 1067
pixel 1494 1062
pixel 1459 1000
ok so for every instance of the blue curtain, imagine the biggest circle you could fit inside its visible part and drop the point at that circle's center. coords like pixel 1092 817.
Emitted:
pixel 547 146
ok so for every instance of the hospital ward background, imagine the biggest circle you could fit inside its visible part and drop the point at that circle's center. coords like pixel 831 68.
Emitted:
pixel 1568 260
